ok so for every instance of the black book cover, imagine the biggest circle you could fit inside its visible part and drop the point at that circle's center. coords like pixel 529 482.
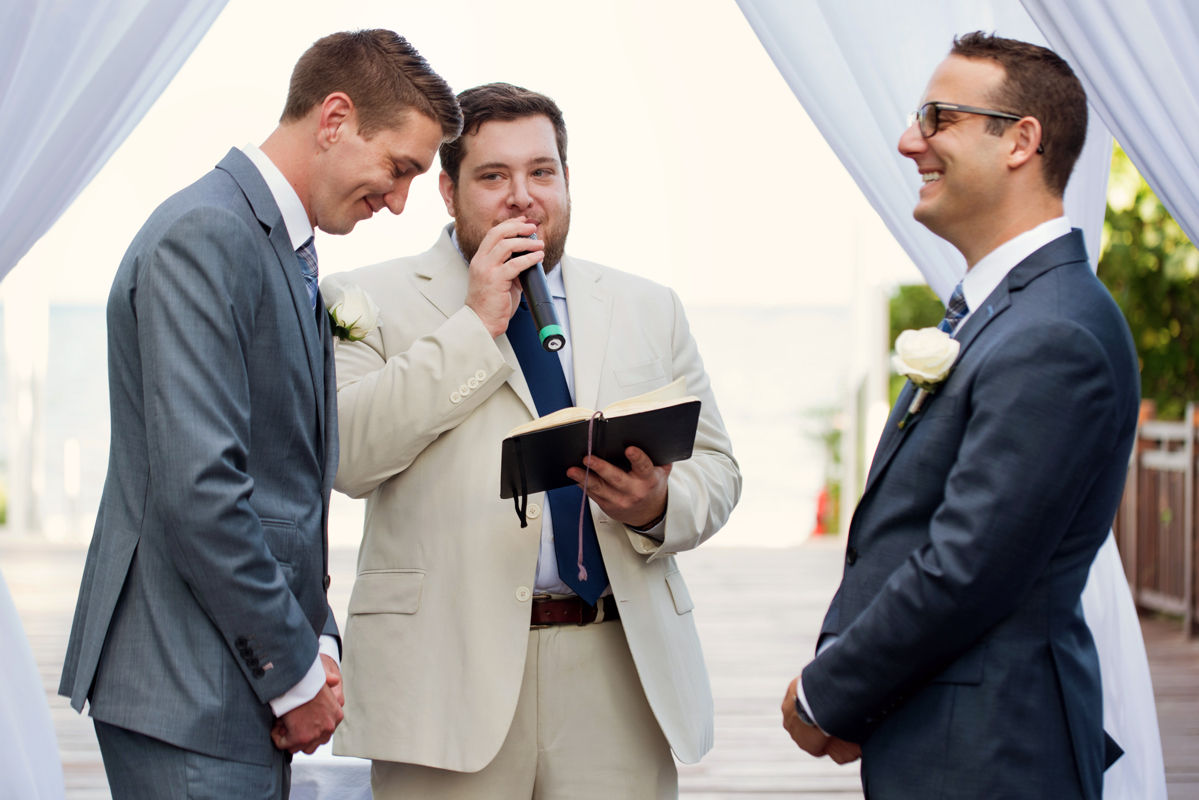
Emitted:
pixel 537 461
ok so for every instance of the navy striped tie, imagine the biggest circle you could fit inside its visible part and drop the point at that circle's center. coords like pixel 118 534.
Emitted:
pixel 307 256
pixel 954 312
pixel 547 383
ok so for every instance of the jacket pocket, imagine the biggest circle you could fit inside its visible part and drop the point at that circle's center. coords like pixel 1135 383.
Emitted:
pixel 387 591
pixel 968 669
pixel 642 373
pixel 280 536
pixel 678 592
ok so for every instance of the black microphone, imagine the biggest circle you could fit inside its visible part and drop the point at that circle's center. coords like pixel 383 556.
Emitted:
pixel 541 305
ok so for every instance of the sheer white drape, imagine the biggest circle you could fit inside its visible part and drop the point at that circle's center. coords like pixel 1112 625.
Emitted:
pixel 1139 62
pixel 29 765
pixel 75 77
pixel 858 67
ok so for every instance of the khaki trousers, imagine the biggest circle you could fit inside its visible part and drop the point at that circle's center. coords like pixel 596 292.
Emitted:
pixel 583 730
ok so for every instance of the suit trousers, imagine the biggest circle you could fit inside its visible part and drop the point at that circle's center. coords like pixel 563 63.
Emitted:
pixel 143 768
pixel 583 730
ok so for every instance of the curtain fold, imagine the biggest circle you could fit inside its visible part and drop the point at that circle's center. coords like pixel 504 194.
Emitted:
pixel 76 76
pixel 1139 62
pixel 858 67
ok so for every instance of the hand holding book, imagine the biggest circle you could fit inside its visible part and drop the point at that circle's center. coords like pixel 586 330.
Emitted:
pixel 538 455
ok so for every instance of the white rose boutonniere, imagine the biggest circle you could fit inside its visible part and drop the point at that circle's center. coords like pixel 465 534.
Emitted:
pixel 925 357
pixel 352 313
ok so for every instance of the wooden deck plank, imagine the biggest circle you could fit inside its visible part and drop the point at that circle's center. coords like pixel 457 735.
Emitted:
pixel 757 612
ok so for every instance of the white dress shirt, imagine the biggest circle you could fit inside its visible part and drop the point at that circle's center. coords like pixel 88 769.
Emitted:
pixel 547 580
pixel 299 230
pixel 982 279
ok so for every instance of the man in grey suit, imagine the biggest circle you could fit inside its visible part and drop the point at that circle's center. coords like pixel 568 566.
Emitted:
pixel 955 652
pixel 202 637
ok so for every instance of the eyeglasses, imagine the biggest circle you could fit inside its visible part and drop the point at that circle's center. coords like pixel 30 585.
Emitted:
pixel 927 117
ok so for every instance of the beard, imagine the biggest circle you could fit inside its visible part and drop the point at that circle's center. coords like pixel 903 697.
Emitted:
pixel 470 236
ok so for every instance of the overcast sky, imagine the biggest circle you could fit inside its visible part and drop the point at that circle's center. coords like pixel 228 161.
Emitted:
pixel 691 161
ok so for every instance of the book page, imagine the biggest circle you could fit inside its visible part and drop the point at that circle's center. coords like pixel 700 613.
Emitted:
pixel 627 409
pixel 675 390
pixel 562 416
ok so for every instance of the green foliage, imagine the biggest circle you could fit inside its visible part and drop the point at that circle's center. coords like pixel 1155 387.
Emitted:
pixel 914 306
pixel 1152 270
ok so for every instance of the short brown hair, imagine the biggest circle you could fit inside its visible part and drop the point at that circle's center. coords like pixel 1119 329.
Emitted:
pixel 1038 83
pixel 383 75
pixel 499 101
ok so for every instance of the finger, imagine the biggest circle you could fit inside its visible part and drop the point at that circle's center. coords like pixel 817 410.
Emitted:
pixel 503 249
pixel 517 226
pixel 611 474
pixel 641 464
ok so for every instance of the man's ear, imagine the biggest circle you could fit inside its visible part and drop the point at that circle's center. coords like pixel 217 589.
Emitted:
pixel 445 185
pixel 566 174
pixel 1025 138
pixel 336 117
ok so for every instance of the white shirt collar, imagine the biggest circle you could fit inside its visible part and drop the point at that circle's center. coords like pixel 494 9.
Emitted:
pixel 553 277
pixel 299 229
pixel 988 273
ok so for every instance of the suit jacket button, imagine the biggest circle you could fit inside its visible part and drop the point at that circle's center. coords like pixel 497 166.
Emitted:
pixel 455 398
pixel 534 511
pixel 480 375
pixel 851 555
pixel 240 643
pixel 252 663
pixel 258 673
pixel 246 653
pixel 328 581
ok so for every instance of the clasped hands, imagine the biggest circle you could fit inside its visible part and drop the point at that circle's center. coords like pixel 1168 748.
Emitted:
pixel 813 740
pixel 307 727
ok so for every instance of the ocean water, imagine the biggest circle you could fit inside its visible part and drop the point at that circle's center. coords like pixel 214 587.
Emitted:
pixel 770 368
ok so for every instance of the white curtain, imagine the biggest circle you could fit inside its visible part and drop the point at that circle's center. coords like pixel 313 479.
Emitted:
pixel 859 67
pixel 1139 62
pixel 76 76
pixel 29 765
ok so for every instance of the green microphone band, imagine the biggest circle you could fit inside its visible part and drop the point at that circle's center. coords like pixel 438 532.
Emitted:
pixel 550 330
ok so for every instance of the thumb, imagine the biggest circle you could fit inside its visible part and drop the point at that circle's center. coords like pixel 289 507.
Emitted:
pixel 639 461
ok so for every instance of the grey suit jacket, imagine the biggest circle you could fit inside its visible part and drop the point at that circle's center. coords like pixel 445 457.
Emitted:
pixel 964 664
pixel 203 595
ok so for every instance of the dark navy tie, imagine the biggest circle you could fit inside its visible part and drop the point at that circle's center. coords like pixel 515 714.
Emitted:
pixel 307 256
pixel 954 311
pixel 547 383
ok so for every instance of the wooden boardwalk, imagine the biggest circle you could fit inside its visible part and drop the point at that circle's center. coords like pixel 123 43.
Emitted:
pixel 757 612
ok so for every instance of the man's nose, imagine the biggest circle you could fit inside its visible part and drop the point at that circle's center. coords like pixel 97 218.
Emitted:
pixel 912 143
pixel 519 197
pixel 396 198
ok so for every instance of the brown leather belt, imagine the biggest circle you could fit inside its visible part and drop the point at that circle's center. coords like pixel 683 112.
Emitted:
pixel 570 611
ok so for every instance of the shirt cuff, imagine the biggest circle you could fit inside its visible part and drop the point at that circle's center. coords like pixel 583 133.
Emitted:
pixel 302 692
pixel 799 692
pixel 328 647
pixel 657 531
pixel 803 701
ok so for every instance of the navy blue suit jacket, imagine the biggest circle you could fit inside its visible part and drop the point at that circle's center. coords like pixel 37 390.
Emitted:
pixel 963 663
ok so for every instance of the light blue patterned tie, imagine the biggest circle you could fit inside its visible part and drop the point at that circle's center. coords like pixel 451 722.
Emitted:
pixel 954 312
pixel 307 256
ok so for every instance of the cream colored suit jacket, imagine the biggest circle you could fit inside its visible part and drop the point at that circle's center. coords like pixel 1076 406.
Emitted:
pixel 438 620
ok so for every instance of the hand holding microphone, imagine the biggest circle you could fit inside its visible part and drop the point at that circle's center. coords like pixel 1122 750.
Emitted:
pixel 493 289
pixel 541 305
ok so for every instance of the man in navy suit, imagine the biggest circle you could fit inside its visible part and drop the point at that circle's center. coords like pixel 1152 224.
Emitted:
pixel 955 653
pixel 202 637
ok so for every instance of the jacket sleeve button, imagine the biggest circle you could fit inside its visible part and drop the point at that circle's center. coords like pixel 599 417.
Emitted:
pixel 851 556
pixel 258 673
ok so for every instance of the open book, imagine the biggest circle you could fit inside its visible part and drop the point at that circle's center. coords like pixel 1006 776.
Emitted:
pixel 536 455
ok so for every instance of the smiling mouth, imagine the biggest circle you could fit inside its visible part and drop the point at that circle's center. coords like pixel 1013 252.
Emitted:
pixel 931 177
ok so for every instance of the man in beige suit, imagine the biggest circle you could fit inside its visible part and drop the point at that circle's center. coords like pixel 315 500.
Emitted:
pixel 480 662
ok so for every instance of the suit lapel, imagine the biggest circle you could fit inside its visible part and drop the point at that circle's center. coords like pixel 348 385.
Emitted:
pixel 448 276
pixel 267 211
pixel 589 303
pixel 894 436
